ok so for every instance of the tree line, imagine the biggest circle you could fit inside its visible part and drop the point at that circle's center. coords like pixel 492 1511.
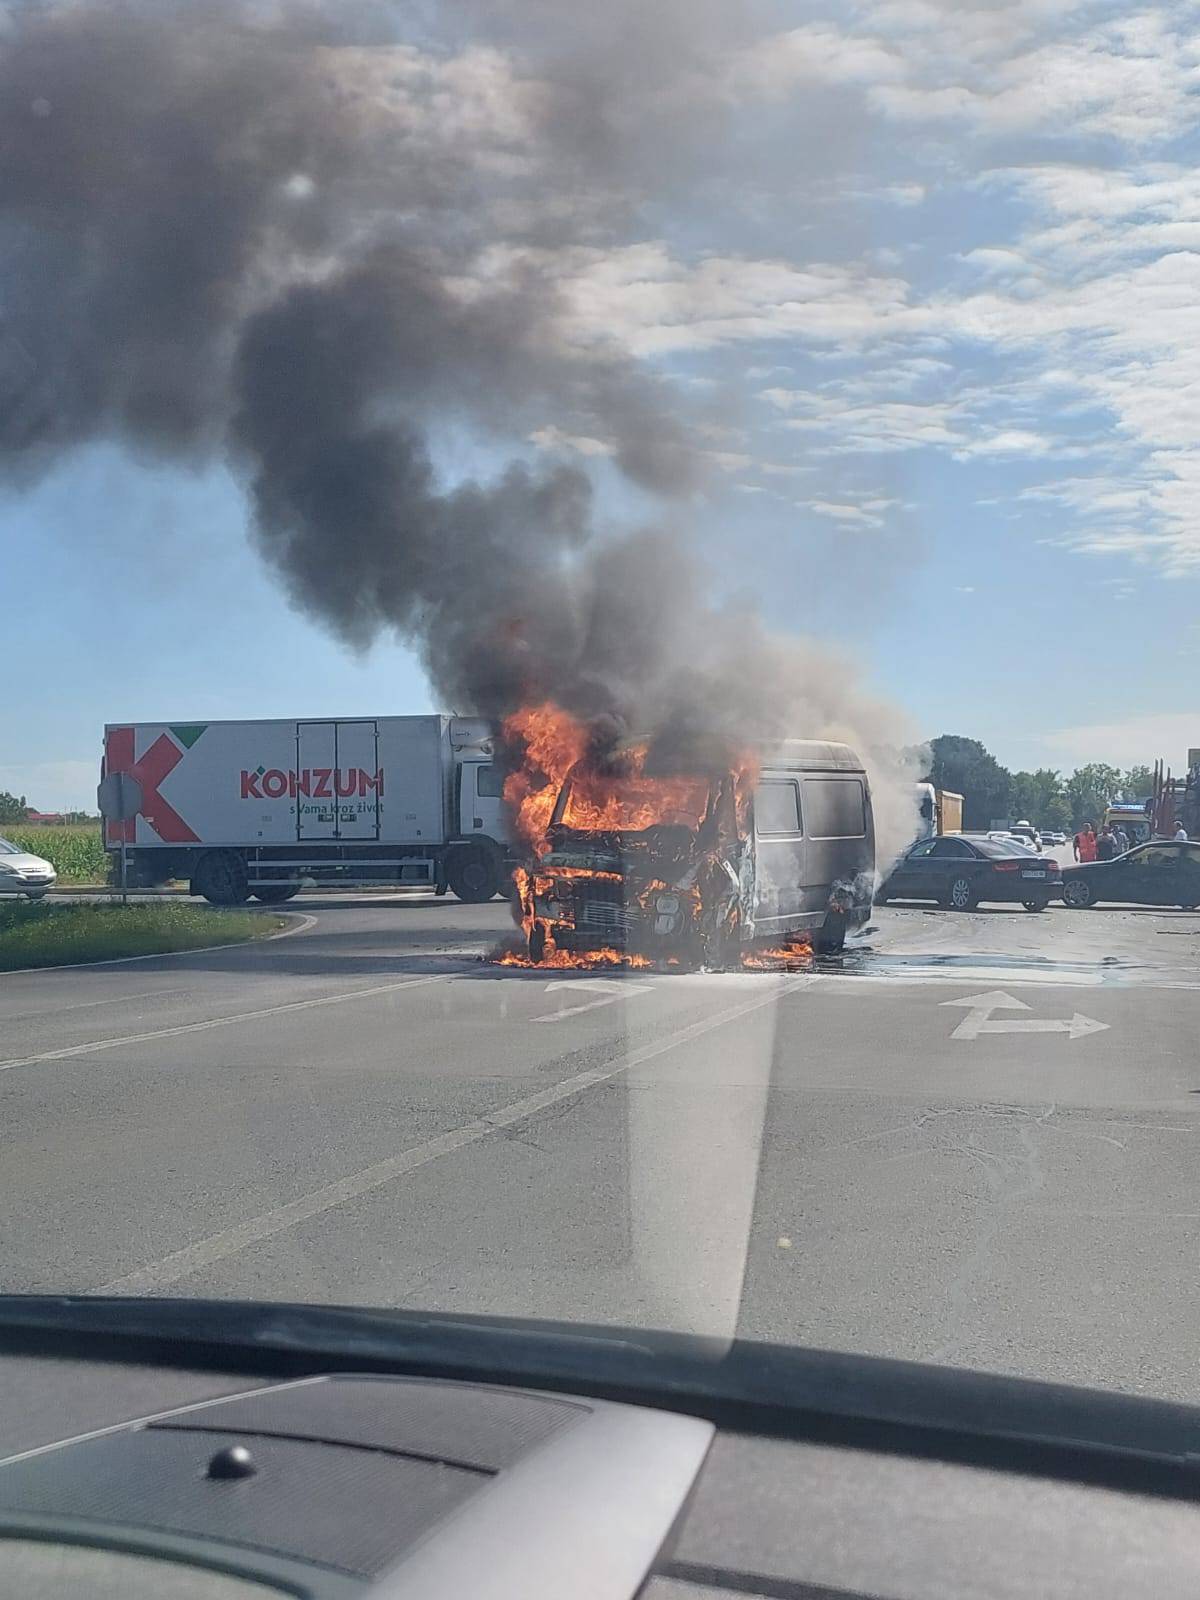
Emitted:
pixel 1045 797
pixel 15 808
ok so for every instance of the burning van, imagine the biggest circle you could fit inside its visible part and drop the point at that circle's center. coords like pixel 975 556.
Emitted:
pixel 635 862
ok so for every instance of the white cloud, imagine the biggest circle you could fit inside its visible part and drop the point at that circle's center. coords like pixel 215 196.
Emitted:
pixel 878 426
pixel 864 513
pixel 999 69
pixel 1072 332
pixel 647 301
pixel 818 53
pixel 553 438
pixel 1008 442
pixel 1139 740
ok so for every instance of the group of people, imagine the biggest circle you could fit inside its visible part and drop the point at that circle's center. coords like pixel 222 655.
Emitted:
pixel 1112 840
pixel 1103 846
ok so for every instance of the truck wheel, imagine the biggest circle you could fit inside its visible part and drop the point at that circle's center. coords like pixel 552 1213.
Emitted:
pixel 473 875
pixel 220 876
pixel 537 943
pixel 272 894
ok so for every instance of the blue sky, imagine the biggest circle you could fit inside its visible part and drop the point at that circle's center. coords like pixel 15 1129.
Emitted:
pixel 932 306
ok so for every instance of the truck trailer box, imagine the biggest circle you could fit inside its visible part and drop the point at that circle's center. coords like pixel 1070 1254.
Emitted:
pixel 949 811
pixel 237 783
pixel 305 797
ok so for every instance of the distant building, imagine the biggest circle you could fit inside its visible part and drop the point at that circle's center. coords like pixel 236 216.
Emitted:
pixel 46 819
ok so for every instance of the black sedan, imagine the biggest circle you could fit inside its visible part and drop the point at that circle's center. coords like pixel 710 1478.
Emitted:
pixel 958 872
pixel 1158 874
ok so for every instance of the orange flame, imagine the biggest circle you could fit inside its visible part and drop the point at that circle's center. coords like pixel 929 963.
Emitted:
pixel 610 796
pixel 576 959
pixel 552 742
pixel 796 957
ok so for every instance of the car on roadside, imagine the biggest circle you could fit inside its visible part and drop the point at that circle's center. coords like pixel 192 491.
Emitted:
pixel 959 871
pixel 24 873
pixel 1027 833
pixel 1054 838
pixel 1161 873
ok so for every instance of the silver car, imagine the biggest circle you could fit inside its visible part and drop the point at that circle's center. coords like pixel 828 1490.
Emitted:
pixel 22 873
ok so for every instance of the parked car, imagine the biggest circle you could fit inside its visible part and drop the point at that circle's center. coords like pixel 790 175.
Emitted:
pixel 1012 838
pixel 1054 838
pixel 1027 833
pixel 1158 874
pixel 23 873
pixel 959 871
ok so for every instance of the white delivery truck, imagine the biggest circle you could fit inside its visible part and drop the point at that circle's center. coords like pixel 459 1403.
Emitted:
pixel 257 808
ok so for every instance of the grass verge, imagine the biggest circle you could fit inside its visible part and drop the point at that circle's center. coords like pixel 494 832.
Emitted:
pixel 49 935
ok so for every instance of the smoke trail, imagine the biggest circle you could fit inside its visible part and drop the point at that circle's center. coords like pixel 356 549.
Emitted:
pixel 276 233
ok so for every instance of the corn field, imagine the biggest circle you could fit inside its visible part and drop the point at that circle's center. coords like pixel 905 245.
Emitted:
pixel 75 851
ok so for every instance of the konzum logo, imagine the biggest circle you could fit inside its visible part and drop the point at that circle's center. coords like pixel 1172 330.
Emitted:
pixel 321 783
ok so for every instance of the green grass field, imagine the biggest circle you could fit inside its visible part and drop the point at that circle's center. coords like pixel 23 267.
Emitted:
pixel 76 851
pixel 48 935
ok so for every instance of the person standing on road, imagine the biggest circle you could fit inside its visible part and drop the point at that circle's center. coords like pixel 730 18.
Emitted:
pixel 1106 844
pixel 1181 834
pixel 1085 843
pixel 1122 839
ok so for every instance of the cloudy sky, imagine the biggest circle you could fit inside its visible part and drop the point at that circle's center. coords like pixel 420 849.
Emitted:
pixel 919 280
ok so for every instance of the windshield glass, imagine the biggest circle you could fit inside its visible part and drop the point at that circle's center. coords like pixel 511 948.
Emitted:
pixel 1003 847
pixel 630 803
pixel 548 548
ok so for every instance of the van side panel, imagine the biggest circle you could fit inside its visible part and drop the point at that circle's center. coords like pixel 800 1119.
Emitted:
pixel 827 857
pixel 779 854
pixel 841 842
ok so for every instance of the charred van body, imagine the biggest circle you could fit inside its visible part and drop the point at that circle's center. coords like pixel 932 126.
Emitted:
pixel 691 868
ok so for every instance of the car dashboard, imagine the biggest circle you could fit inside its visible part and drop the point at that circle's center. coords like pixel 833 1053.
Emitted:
pixel 135 1477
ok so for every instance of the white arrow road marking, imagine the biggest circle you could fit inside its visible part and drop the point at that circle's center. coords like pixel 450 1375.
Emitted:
pixel 981 1006
pixel 610 989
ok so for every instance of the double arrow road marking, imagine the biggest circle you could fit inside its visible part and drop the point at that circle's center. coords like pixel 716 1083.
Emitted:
pixel 980 1007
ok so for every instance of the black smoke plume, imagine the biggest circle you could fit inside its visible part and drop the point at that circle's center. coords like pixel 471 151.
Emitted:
pixel 298 238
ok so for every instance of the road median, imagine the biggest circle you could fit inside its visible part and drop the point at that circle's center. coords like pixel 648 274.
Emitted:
pixel 55 935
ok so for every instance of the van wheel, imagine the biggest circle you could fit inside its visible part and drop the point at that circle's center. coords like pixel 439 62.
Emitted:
pixel 473 875
pixel 220 876
pixel 721 948
pixel 831 939
pixel 961 896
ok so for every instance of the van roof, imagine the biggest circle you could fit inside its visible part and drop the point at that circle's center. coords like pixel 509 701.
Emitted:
pixel 812 753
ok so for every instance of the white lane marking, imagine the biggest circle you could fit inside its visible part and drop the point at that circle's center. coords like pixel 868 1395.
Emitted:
pixel 609 989
pixel 1063 978
pixel 231 1241
pixel 218 1022
pixel 302 926
pixel 981 1006
pixel 87 1005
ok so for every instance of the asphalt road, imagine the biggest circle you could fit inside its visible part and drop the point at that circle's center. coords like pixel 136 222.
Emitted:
pixel 854 1157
